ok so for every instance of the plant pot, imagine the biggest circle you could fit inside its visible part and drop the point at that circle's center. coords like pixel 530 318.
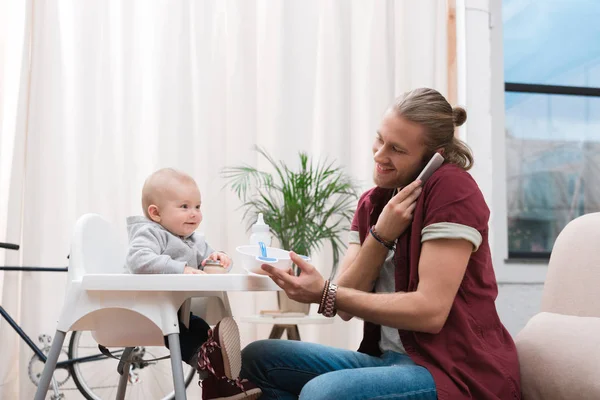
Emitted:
pixel 288 305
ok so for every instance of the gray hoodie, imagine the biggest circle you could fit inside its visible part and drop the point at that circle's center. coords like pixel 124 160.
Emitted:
pixel 155 250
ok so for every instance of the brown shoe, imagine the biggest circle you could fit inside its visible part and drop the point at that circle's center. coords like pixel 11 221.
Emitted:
pixel 214 388
pixel 221 353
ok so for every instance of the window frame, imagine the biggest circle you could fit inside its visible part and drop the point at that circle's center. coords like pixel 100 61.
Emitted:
pixel 535 88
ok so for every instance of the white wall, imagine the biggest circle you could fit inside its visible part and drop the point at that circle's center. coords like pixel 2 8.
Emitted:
pixel 517 303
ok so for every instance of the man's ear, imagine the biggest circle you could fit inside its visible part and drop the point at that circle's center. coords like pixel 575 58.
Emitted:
pixel 154 213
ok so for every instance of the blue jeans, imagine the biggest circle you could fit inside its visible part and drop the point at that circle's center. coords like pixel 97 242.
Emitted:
pixel 286 369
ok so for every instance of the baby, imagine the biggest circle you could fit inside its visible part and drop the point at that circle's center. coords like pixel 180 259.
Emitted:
pixel 163 242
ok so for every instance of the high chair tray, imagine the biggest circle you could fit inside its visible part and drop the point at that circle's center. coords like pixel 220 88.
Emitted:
pixel 176 282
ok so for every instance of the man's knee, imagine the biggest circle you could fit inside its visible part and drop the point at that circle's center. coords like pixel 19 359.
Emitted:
pixel 252 356
pixel 320 388
pixel 255 351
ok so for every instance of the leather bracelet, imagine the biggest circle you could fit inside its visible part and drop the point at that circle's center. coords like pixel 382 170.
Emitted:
pixel 323 297
pixel 329 309
pixel 389 245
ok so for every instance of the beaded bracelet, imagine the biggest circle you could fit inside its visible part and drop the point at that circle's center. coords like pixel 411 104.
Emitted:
pixel 323 296
pixel 389 245
pixel 327 306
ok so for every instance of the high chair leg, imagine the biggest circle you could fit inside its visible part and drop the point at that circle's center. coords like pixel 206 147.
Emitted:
pixel 178 381
pixel 123 381
pixel 123 369
pixel 50 366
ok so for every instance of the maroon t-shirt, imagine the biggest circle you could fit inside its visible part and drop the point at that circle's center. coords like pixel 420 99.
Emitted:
pixel 473 356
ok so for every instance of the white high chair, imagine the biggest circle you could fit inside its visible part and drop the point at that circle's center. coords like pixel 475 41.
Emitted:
pixel 128 310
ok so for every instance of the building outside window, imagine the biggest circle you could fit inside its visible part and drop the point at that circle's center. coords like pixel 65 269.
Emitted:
pixel 552 118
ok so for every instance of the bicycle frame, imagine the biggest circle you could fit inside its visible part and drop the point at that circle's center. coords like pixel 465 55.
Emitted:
pixel 38 352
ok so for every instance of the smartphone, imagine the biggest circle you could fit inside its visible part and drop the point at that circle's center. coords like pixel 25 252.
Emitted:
pixel 436 161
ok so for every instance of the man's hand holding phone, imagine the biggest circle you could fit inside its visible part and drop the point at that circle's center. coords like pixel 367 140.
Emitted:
pixel 398 212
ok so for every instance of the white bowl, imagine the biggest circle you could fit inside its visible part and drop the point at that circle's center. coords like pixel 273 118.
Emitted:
pixel 249 262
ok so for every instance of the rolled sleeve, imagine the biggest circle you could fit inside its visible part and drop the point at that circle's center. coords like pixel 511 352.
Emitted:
pixel 353 238
pixel 454 209
pixel 449 230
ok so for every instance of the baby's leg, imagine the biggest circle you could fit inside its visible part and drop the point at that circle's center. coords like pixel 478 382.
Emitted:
pixel 191 339
pixel 198 334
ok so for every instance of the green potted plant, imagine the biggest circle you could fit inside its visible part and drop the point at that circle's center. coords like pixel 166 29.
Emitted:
pixel 304 208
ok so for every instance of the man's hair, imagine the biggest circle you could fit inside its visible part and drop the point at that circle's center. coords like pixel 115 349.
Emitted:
pixel 428 108
pixel 157 184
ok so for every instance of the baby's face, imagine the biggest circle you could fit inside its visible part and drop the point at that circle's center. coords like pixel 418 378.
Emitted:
pixel 180 209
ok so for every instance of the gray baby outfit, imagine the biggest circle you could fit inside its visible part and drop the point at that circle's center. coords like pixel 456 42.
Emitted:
pixel 155 250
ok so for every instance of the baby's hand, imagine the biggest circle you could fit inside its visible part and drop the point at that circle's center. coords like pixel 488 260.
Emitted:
pixel 222 258
pixel 190 270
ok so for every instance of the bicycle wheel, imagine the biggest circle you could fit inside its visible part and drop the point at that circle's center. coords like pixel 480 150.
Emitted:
pixel 99 379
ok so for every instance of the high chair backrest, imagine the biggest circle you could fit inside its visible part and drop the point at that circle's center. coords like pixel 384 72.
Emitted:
pixel 572 284
pixel 95 248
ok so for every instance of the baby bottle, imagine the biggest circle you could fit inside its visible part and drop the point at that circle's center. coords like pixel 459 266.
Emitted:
pixel 260 232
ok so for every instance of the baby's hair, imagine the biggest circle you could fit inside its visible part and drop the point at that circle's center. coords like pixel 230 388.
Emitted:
pixel 158 183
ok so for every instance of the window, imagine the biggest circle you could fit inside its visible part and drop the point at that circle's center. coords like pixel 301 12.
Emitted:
pixel 552 105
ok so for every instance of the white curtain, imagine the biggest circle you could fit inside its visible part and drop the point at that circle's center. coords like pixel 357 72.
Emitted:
pixel 98 94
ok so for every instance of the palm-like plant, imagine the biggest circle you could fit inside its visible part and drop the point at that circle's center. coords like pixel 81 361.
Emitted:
pixel 304 208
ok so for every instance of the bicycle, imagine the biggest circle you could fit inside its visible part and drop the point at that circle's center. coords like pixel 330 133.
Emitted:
pixel 94 372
